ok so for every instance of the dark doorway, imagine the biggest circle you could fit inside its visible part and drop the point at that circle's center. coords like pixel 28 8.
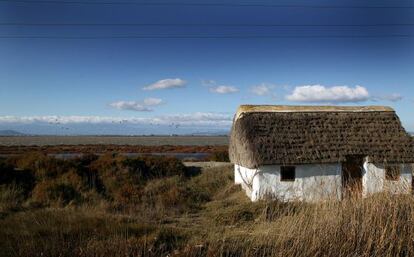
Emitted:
pixel 352 176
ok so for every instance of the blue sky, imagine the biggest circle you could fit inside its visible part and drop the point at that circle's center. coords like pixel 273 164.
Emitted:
pixel 184 85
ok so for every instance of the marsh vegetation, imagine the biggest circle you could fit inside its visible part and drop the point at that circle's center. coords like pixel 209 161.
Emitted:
pixel 111 205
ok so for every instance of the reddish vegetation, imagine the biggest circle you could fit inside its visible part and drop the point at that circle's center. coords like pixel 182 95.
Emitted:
pixel 98 149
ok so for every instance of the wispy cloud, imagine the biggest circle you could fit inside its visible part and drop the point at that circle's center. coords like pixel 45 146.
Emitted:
pixel 198 118
pixel 219 89
pixel 166 84
pixel 130 105
pixel 391 97
pixel 335 94
pixel 208 82
pixel 224 89
pixel 137 106
pixel 262 89
pixel 153 101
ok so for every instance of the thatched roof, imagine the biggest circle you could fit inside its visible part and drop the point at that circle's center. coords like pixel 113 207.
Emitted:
pixel 264 135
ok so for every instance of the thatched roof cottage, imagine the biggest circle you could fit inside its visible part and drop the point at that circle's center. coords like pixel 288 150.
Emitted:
pixel 320 152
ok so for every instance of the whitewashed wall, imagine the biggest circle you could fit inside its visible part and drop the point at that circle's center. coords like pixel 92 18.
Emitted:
pixel 247 179
pixel 312 183
pixel 374 181
pixel 317 182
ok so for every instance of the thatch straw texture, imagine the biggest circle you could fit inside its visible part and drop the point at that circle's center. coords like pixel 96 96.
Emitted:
pixel 311 135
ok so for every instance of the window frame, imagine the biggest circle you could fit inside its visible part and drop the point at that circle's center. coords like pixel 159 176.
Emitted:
pixel 288 168
pixel 396 169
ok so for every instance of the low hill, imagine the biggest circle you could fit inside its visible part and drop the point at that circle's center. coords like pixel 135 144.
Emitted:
pixel 9 132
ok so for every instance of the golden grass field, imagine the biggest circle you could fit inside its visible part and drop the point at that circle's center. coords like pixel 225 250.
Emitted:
pixel 155 206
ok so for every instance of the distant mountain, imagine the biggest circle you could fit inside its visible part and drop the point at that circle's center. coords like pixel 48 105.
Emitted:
pixel 9 132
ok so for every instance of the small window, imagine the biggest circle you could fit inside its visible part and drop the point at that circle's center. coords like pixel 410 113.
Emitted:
pixel 287 173
pixel 392 172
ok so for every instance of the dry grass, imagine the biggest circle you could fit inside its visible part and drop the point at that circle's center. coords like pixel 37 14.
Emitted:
pixel 199 215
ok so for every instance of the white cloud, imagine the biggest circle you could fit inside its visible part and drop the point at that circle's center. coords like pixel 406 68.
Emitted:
pixel 224 89
pixel 262 89
pixel 165 84
pixel 319 93
pixel 137 106
pixel 198 118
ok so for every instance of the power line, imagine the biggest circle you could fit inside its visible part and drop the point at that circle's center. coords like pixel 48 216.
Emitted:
pixel 201 4
pixel 201 36
pixel 202 24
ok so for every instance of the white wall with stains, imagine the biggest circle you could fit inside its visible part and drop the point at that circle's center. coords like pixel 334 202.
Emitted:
pixel 374 181
pixel 316 182
pixel 312 182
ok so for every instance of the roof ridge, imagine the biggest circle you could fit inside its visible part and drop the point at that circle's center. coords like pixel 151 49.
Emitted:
pixel 310 108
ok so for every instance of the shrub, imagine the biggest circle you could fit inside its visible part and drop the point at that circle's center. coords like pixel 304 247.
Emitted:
pixel 23 179
pixel 107 175
pixel 213 180
pixel 42 166
pixel 172 194
pixel 220 156
pixel 122 178
pixel 150 167
pixel 127 194
pixel 108 163
pixel 73 179
pixel 85 160
pixel 5 169
pixel 11 197
pixel 166 240
pixel 161 242
pixel 52 192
